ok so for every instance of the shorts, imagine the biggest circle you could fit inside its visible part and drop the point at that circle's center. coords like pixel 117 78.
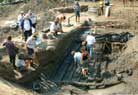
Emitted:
pixel 77 13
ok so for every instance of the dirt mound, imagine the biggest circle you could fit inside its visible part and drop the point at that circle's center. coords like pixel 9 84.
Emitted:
pixel 128 59
pixel 12 89
pixel 6 71
pixel 126 62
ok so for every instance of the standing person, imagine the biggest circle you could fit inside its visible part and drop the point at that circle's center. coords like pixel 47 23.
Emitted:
pixel 31 44
pixel 90 40
pixel 33 18
pixel 77 11
pixel 11 49
pixel 101 7
pixel 26 26
pixel 77 57
pixel 20 19
pixel 107 8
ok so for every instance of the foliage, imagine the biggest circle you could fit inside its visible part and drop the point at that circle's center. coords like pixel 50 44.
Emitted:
pixel 1 1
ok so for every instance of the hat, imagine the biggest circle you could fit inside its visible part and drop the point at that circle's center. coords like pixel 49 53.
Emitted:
pixel 93 32
pixel 29 11
pixel 21 12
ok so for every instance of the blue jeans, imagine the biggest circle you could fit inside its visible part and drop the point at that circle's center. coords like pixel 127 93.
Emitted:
pixel 90 49
pixel 77 60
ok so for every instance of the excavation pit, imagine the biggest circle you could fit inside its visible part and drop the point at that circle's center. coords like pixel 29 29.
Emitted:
pixel 57 67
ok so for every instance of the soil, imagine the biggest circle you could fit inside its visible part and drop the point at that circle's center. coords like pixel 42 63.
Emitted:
pixel 8 88
pixel 122 19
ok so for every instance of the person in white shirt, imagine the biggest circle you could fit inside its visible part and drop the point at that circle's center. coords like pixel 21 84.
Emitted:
pixel 20 18
pixel 31 44
pixel 33 18
pixel 90 40
pixel 27 26
pixel 54 27
pixel 77 57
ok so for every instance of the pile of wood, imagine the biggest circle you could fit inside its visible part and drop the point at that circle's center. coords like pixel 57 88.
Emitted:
pixel 114 37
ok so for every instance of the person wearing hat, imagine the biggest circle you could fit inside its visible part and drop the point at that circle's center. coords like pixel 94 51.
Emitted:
pixel 31 44
pixel 20 18
pixel 90 40
pixel 33 18
pixel 27 26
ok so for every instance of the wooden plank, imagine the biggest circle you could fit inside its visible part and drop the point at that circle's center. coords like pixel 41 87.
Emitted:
pixel 76 76
pixel 85 84
pixel 62 71
pixel 69 71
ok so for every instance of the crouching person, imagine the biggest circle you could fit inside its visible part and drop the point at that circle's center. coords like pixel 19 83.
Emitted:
pixel 55 28
pixel 77 58
pixel 61 18
pixel 20 63
pixel 85 59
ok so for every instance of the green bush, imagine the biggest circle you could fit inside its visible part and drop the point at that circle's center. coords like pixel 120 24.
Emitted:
pixel 1 1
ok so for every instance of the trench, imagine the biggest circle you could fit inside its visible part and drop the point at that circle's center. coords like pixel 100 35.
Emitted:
pixel 57 67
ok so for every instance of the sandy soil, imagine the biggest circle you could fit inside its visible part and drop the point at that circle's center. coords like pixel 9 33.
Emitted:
pixel 108 91
pixel 84 16
pixel 8 88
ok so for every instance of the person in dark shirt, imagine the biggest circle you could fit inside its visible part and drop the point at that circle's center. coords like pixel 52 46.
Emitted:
pixel 11 49
pixel 85 57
